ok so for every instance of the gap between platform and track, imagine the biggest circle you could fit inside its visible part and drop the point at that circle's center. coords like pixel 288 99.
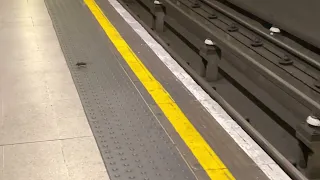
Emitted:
pixel 208 159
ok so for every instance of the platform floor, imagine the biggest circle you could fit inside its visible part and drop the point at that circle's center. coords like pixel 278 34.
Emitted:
pixel 44 133
pixel 98 122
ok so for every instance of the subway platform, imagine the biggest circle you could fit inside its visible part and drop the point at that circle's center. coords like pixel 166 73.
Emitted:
pixel 88 94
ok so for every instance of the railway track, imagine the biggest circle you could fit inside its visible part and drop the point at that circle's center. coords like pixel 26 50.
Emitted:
pixel 268 83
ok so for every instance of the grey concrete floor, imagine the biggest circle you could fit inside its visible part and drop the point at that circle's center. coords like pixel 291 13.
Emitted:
pixel 44 133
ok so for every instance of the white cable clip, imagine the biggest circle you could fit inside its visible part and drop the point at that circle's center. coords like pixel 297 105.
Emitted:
pixel 313 121
pixel 156 2
pixel 208 42
pixel 274 30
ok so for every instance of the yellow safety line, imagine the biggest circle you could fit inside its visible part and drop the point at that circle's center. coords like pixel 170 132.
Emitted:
pixel 208 159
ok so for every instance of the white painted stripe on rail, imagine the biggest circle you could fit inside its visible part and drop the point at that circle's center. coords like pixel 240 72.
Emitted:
pixel 248 145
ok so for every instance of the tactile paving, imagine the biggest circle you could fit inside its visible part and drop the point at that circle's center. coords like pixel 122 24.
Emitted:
pixel 131 140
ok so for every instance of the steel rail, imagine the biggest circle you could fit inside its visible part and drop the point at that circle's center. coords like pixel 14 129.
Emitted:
pixel 279 43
